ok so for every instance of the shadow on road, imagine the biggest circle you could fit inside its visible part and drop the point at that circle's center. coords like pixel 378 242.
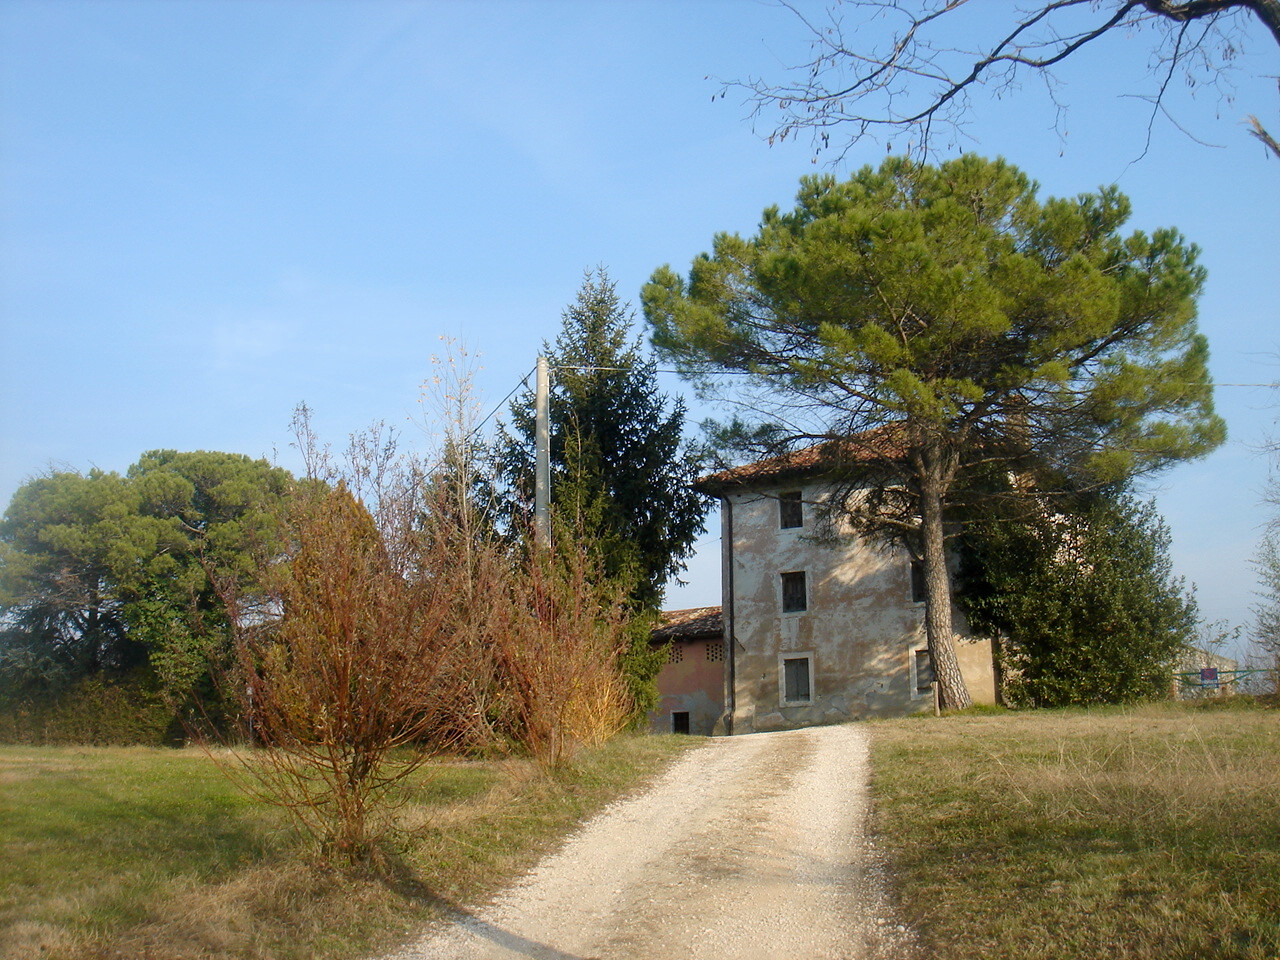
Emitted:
pixel 402 880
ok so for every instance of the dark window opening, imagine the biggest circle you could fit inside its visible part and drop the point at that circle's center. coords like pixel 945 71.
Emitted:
pixel 924 671
pixel 795 679
pixel 680 721
pixel 918 592
pixel 790 510
pixel 794 595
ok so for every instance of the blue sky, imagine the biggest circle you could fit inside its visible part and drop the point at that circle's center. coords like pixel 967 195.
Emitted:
pixel 211 211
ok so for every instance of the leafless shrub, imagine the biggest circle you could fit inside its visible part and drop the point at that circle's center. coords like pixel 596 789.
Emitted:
pixel 546 628
pixel 339 692
pixel 398 624
pixel 559 638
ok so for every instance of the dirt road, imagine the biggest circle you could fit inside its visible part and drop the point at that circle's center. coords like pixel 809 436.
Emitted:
pixel 749 847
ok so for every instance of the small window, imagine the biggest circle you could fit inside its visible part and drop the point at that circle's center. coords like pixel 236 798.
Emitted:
pixel 715 651
pixel 921 671
pixel 795 596
pixel 675 654
pixel 795 680
pixel 790 510
pixel 918 592
pixel 680 721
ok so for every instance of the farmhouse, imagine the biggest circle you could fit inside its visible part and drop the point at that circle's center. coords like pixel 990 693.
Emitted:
pixel 815 626
pixel 1203 673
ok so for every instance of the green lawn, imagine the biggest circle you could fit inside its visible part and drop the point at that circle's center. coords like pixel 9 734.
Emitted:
pixel 137 853
pixel 1151 832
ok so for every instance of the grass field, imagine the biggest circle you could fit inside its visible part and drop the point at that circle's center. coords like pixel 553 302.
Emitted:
pixel 1151 832
pixel 149 853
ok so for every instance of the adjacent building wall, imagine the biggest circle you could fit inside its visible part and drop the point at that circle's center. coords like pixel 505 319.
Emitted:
pixel 1187 682
pixel 692 682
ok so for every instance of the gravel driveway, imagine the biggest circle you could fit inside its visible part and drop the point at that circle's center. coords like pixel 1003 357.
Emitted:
pixel 749 847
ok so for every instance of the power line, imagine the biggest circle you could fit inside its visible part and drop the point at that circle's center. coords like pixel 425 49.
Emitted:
pixel 747 373
pixel 524 382
pixel 723 373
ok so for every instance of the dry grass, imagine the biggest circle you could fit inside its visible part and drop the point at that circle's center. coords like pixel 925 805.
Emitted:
pixel 138 853
pixel 1151 832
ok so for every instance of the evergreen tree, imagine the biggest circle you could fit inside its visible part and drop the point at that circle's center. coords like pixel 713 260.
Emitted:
pixel 62 617
pixel 941 323
pixel 104 573
pixel 621 474
pixel 1085 603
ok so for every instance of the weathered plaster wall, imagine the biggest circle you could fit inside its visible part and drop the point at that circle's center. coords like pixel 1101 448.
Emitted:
pixel 977 666
pixel 860 626
pixel 692 680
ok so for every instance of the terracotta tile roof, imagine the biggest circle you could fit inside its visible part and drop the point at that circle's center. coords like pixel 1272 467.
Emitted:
pixel 865 447
pixel 696 623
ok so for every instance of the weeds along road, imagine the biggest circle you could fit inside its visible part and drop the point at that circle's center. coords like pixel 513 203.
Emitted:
pixel 749 847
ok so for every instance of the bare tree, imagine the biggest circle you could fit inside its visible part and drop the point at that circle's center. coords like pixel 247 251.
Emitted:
pixel 343 686
pixel 395 624
pixel 1266 610
pixel 361 647
pixel 919 79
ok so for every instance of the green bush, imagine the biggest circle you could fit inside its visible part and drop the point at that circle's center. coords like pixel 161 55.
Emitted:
pixel 1086 603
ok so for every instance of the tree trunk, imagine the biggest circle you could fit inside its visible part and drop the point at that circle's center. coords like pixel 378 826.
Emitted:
pixel 937 583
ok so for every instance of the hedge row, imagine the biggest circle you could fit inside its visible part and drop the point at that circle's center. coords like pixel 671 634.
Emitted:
pixel 96 711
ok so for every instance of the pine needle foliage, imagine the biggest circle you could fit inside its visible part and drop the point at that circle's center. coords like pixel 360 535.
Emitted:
pixel 964 321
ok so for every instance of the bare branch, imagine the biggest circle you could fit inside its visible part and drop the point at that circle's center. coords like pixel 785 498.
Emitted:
pixel 921 84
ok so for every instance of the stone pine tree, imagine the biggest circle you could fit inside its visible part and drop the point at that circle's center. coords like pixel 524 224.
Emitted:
pixel 102 573
pixel 622 472
pixel 62 616
pixel 944 323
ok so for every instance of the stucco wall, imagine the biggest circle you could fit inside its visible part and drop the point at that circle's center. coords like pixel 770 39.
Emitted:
pixel 859 629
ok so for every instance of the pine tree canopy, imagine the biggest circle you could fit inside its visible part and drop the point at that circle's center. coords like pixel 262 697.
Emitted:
pixel 102 572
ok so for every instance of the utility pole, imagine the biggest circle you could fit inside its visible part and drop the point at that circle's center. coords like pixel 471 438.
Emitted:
pixel 542 444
